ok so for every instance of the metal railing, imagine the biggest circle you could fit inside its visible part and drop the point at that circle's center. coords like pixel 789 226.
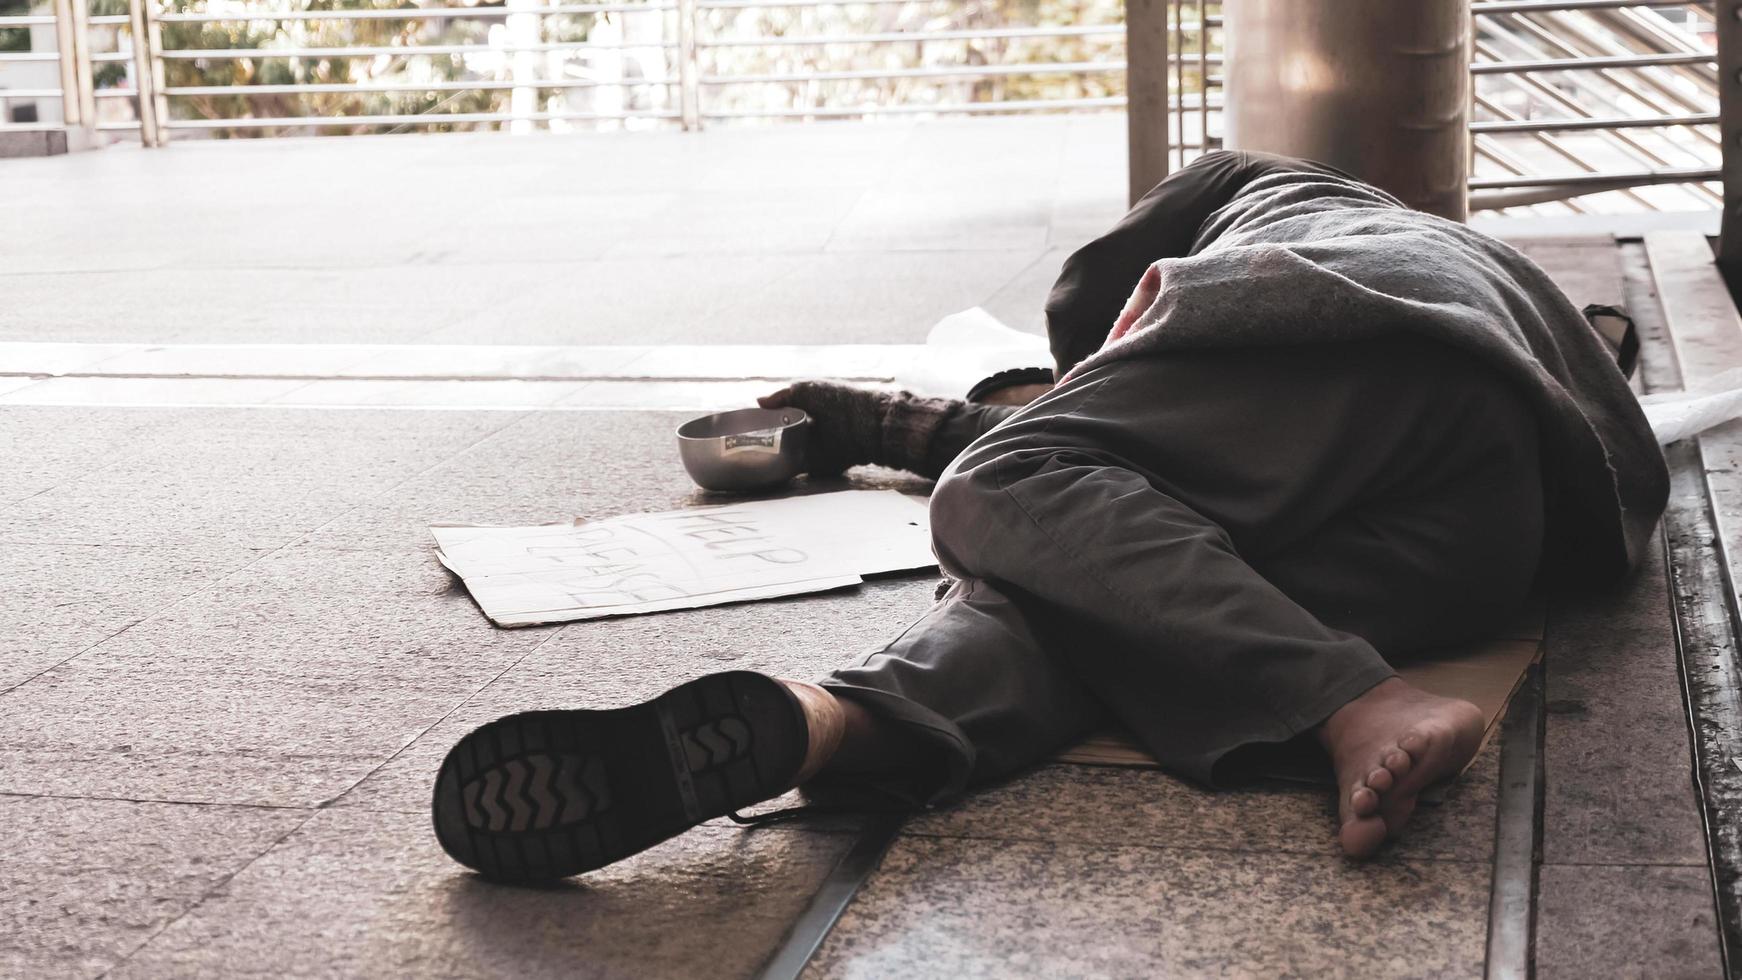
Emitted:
pixel 65 90
pixel 710 60
pixel 1572 97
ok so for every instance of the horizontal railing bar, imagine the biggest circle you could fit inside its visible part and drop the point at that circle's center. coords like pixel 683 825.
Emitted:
pixel 122 20
pixel 1636 179
pixel 425 118
pixel 1578 64
pixel 35 127
pixel 411 13
pixel 360 88
pixel 374 50
pixel 1552 6
pixel 1190 103
pixel 29 56
pixel 27 20
pixel 911 37
pixel 1111 102
pixel 745 4
pixel 1189 25
pixel 970 71
pixel 30 93
pixel 481 13
pixel 1563 125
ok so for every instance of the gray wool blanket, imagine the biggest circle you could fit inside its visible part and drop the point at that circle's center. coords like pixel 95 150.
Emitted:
pixel 1313 258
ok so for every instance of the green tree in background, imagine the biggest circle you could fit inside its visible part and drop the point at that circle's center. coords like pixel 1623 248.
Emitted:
pixel 108 74
pixel 917 17
pixel 14 38
pixel 265 34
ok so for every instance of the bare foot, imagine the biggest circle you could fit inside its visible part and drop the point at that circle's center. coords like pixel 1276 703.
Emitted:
pixel 825 722
pixel 1387 746
pixel 846 739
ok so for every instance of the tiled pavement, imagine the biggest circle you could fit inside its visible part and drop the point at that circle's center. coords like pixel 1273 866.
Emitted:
pixel 229 662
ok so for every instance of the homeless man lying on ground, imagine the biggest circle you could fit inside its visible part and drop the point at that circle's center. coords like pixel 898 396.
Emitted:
pixel 1324 432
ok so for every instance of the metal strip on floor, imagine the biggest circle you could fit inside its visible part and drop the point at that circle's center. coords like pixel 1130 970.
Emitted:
pixel 1705 333
pixel 813 925
pixel 1511 903
pixel 1703 597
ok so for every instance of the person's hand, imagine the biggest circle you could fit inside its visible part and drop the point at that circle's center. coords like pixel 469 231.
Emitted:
pixel 846 423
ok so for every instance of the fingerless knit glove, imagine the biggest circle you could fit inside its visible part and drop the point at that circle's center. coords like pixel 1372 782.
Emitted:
pixel 856 426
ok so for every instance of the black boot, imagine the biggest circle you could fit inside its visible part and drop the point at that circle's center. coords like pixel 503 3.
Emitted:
pixel 547 794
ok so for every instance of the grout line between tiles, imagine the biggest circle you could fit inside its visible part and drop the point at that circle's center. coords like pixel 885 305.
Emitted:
pixel 311 813
pixel 553 634
pixel 215 889
pixel 6 794
pixel 267 553
pixel 1189 848
pixel 113 460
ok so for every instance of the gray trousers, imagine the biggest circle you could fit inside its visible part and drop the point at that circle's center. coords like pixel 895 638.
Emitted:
pixel 1215 550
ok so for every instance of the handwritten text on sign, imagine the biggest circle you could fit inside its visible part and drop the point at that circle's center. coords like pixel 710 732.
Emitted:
pixel 679 559
pixel 616 563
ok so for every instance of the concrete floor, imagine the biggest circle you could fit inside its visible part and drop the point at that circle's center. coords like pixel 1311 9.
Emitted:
pixel 229 662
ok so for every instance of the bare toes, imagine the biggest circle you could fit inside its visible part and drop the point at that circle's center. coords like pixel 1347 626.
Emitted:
pixel 1379 780
pixel 1415 743
pixel 1398 814
pixel 1398 762
pixel 1362 836
pixel 1363 802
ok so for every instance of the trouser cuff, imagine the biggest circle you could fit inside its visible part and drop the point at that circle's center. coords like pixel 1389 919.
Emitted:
pixel 939 777
pixel 1219 767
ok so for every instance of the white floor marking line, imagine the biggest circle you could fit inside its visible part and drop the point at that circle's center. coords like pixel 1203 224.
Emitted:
pixel 446 395
pixel 375 362
pixel 691 377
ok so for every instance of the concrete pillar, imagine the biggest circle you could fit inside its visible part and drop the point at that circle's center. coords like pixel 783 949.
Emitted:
pixel 1729 14
pixel 1146 94
pixel 523 32
pixel 1379 88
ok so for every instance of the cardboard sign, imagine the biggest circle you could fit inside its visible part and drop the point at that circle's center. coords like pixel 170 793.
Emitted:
pixel 682 559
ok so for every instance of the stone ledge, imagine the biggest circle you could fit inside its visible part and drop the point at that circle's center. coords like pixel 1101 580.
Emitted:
pixel 33 143
pixel 48 142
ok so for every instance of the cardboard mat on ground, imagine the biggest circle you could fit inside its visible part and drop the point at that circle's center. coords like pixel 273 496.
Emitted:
pixel 703 556
pixel 683 559
pixel 1487 674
